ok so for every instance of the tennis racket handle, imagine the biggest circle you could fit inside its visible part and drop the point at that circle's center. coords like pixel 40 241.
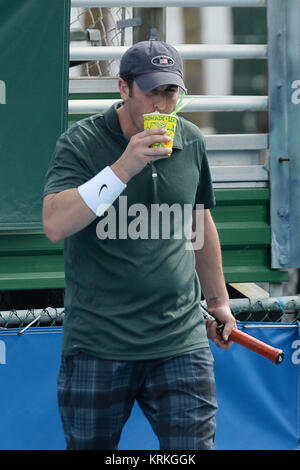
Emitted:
pixel 254 344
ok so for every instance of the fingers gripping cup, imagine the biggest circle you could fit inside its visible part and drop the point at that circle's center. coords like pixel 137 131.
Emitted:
pixel 158 121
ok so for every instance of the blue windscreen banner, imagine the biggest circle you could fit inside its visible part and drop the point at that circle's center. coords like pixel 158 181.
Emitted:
pixel 258 400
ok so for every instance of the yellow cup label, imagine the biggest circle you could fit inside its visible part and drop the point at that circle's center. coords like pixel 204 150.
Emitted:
pixel 166 121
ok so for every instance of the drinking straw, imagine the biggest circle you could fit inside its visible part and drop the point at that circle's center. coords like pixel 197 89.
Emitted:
pixel 180 106
pixel 179 103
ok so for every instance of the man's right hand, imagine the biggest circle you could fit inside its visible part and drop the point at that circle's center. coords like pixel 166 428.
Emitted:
pixel 66 213
pixel 138 153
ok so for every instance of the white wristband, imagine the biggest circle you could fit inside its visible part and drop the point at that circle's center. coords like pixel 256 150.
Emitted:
pixel 101 191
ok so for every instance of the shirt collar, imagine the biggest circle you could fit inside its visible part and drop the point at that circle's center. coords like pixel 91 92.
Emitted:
pixel 113 124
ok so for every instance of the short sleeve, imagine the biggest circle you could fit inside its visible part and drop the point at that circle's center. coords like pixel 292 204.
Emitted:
pixel 69 167
pixel 205 193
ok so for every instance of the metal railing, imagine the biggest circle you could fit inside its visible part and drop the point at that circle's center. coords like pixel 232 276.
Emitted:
pixel 168 3
pixel 199 103
pixel 235 171
pixel 283 70
pixel 187 51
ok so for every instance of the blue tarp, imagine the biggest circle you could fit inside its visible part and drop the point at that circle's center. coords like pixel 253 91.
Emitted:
pixel 258 400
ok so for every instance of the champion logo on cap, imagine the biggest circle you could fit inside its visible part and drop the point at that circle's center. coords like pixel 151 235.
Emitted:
pixel 162 61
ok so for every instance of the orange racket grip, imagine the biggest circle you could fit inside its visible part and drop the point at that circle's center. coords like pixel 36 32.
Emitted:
pixel 254 344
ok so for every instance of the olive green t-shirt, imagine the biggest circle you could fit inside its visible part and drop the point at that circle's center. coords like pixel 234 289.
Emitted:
pixel 132 291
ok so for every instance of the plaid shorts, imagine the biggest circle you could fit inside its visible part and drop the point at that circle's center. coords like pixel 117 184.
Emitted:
pixel 177 395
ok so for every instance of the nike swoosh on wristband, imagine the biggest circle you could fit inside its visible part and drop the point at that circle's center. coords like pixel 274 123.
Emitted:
pixel 101 206
pixel 102 187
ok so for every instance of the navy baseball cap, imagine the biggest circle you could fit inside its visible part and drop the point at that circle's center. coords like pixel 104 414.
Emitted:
pixel 152 64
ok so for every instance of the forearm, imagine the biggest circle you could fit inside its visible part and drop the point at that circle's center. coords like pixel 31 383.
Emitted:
pixel 64 214
pixel 209 265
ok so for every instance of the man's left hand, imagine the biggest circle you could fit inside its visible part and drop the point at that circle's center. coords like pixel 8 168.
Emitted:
pixel 223 314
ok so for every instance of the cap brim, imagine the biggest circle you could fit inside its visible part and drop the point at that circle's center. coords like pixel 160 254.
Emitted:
pixel 149 81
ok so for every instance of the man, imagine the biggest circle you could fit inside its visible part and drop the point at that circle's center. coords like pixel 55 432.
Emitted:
pixel 133 328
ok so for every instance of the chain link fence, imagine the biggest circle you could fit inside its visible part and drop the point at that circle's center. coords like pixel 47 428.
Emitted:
pixel 99 27
pixel 283 309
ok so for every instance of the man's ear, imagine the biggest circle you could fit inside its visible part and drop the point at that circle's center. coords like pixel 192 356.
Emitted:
pixel 124 89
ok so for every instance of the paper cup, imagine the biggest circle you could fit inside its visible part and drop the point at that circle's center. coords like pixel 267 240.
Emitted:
pixel 157 120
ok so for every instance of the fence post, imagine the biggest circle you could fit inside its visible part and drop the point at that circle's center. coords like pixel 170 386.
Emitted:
pixel 284 109
pixel 153 24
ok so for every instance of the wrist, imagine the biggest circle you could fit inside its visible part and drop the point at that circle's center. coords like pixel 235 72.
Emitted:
pixel 215 302
pixel 121 171
pixel 101 191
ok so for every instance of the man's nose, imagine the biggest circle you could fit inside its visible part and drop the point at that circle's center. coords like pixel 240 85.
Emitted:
pixel 159 102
